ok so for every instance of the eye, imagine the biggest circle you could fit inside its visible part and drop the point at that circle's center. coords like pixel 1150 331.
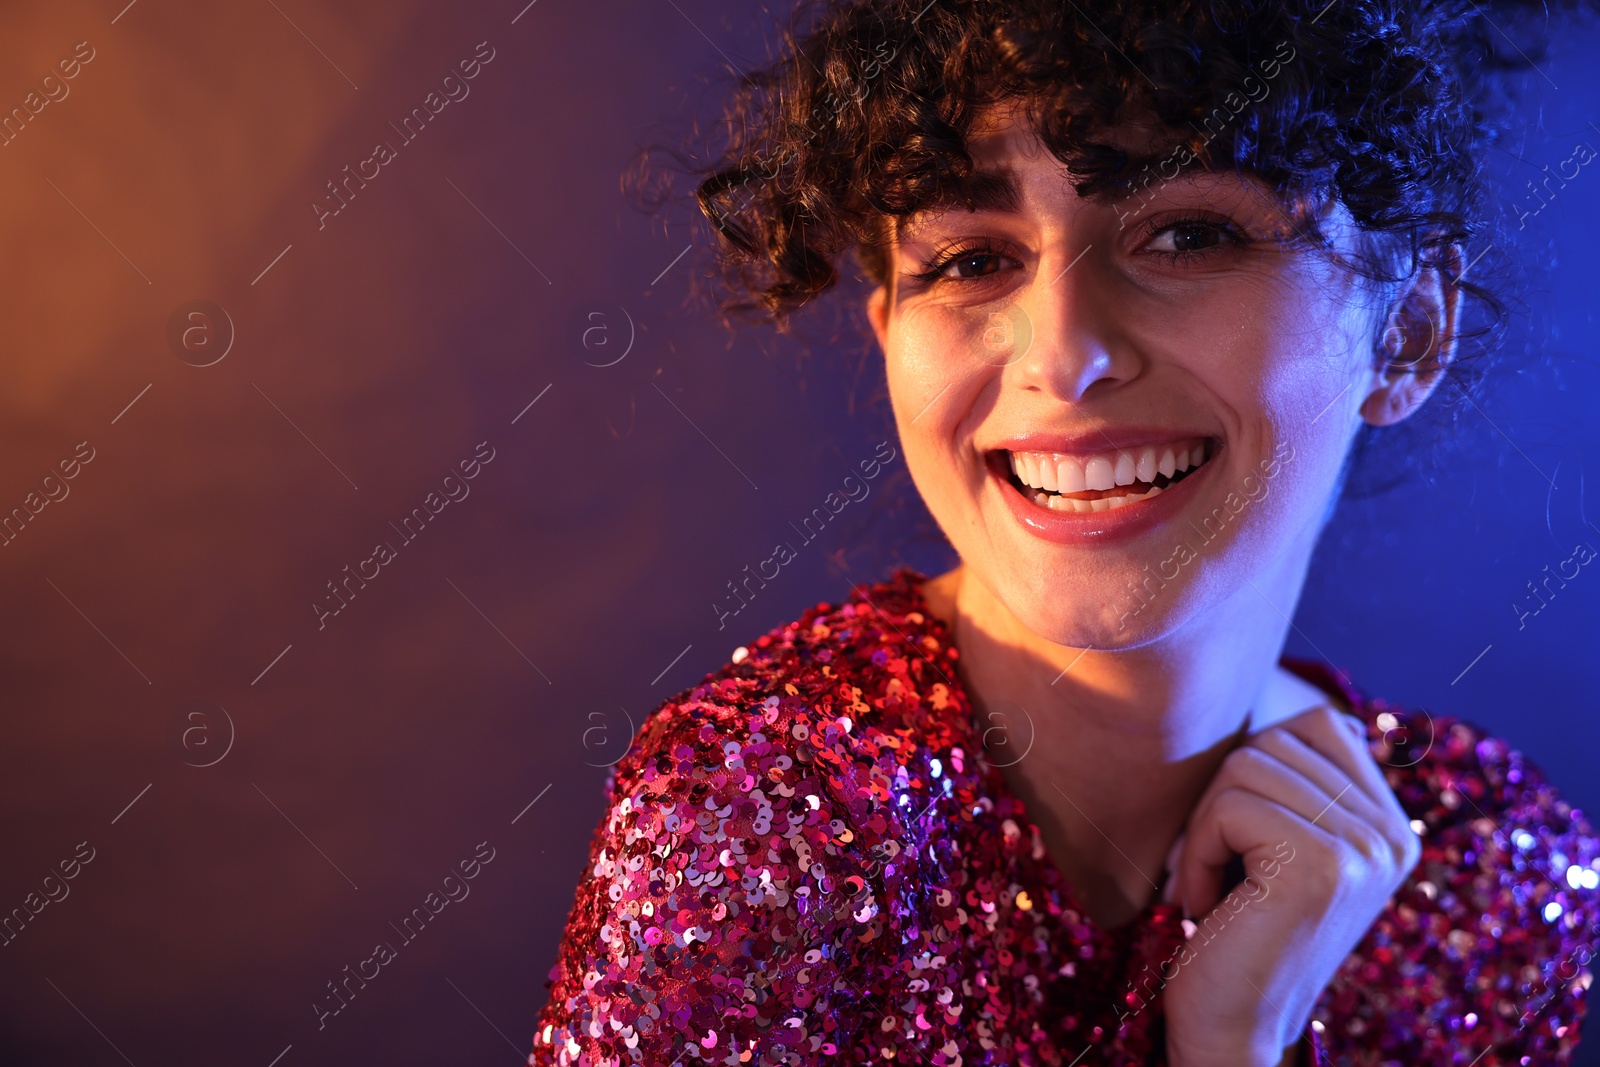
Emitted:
pixel 963 263
pixel 971 265
pixel 1192 238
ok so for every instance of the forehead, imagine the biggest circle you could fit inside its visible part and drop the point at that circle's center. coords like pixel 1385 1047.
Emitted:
pixel 1008 153
pixel 1012 168
pixel 1007 129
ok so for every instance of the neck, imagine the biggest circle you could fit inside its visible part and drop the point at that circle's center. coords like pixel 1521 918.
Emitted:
pixel 1110 751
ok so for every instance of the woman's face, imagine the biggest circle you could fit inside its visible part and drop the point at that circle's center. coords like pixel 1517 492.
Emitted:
pixel 1123 414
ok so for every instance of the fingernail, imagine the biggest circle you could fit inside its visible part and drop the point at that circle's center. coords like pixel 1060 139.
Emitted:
pixel 1172 853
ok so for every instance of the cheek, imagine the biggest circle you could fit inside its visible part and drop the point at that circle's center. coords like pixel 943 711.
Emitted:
pixel 1318 338
pixel 1289 360
pixel 935 346
pixel 935 363
pixel 1314 373
pixel 938 372
pixel 1281 364
pixel 1296 390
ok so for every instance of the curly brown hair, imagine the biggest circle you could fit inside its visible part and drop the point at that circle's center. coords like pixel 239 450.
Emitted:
pixel 1387 106
pixel 1380 104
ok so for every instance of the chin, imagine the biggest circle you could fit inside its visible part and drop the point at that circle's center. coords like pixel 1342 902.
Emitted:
pixel 1102 612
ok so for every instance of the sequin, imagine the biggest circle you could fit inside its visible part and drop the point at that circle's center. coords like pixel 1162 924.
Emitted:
pixel 806 860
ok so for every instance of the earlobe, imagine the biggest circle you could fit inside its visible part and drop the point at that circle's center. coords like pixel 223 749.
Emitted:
pixel 1418 342
pixel 878 315
pixel 1393 401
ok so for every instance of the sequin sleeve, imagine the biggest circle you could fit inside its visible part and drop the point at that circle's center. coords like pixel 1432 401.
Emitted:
pixel 705 922
pixel 1485 952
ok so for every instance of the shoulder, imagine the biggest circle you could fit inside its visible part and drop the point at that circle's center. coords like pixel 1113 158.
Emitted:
pixel 1489 942
pixel 735 877
pixel 819 688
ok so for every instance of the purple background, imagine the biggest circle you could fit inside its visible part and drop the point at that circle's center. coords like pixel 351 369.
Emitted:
pixel 499 658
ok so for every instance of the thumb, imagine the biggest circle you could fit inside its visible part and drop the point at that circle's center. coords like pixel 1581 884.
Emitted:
pixel 1169 893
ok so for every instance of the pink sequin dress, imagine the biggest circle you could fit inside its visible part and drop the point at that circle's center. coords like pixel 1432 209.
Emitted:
pixel 805 860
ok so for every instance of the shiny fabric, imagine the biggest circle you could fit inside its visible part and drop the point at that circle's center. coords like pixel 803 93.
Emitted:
pixel 806 859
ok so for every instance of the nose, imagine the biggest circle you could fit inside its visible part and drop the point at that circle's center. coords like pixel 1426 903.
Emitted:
pixel 1075 343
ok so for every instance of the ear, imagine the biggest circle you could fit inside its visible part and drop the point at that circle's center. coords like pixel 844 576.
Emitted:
pixel 1418 342
pixel 878 315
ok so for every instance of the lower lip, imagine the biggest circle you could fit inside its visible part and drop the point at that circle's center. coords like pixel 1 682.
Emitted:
pixel 1098 527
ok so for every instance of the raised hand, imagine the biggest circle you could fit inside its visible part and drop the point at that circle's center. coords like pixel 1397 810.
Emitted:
pixel 1325 844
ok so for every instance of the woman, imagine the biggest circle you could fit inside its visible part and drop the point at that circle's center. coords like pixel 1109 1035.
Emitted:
pixel 1142 274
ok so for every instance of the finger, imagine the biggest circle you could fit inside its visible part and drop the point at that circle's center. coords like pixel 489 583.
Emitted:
pixel 1174 852
pixel 1325 730
pixel 1289 749
pixel 1385 813
pixel 1225 828
pixel 1169 889
pixel 1244 823
pixel 1256 770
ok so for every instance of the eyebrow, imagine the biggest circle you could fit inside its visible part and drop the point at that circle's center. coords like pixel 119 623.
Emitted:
pixel 992 189
pixel 996 189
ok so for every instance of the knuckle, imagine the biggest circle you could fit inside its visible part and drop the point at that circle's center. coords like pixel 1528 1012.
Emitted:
pixel 1371 846
pixel 1355 868
pixel 1330 870
pixel 1410 850
pixel 1323 722
pixel 1276 734
pixel 1249 761
pixel 1324 852
pixel 1231 803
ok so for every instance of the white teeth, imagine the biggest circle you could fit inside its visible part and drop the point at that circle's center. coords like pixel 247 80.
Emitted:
pixel 1069 475
pixel 1060 473
pixel 1146 467
pixel 1097 473
pixel 1123 470
pixel 1104 503
pixel 1045 474
pixel 1067 504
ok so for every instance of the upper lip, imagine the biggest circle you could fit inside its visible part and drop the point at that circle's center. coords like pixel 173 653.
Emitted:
pixel 1104 439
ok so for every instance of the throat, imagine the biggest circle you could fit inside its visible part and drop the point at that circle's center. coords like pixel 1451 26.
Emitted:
pixel 1103 884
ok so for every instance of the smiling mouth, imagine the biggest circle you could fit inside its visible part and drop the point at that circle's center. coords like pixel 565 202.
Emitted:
pixel 1102 481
